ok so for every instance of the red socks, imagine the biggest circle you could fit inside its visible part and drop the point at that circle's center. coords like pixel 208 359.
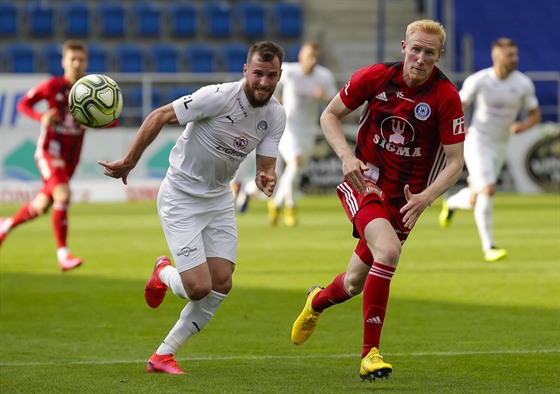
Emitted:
pixel 60 223
pixel 376 296
pixel 25 213
pixel 331 295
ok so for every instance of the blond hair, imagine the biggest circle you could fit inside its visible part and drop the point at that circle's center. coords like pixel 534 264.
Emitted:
pixel 428 26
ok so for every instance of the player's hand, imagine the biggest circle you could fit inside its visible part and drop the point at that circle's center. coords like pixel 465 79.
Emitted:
pixel 516 128
pixel 50 117
pixel 413 208
pixel 265 183
pixel 353 170
pixel 117 169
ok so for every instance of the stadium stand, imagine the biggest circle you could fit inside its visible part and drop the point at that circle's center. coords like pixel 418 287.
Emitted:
pixel 75 17
pixel 182 19
pixel 252 18
pixel 40 16
pixel 288 19
pixel 8 20
pixel 50 56
pixel 175 92
pixel 20 58
pixel 148 19
pixel 200 58
pixel 129 58
pixel 164 58
pixel 98 59
pixel 111 19
pixel 233 57
pixel 218 18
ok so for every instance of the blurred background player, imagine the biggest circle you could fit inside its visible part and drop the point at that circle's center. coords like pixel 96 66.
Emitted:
pixel 499 93
pixel 223 124
pixel 409 151
pixel 58 150
pixel 304 86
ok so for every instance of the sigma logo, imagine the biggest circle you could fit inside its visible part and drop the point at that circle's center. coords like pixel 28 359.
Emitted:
pixel 396 133
pixel 543 163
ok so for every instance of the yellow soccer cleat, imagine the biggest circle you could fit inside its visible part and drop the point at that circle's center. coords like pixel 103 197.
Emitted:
pixel 374 367
pixel 445 215
pixel 307 320
pixel 290 217
pixel 494 254
pixel 273 213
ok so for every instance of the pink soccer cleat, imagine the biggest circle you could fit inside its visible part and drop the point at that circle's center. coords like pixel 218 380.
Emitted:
pixel 155 289
pixel 164 363
pixel 70 262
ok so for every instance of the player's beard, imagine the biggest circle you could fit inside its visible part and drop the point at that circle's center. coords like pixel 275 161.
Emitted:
pixel 256 102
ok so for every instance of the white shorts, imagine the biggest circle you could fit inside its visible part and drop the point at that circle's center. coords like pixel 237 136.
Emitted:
pixel 292 145
pixel 197 228
pixel 485 160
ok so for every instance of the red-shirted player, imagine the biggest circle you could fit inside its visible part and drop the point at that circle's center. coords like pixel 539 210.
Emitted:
pixel 409 151
pixel 58 150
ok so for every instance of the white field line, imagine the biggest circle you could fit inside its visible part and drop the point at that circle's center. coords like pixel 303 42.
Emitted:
pixel 285 357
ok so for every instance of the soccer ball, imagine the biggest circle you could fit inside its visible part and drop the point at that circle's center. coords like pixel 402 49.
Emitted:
pixel 95 100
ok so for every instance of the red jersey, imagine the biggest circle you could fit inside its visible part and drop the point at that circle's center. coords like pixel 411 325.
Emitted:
pixel 64 139
pixel 402 129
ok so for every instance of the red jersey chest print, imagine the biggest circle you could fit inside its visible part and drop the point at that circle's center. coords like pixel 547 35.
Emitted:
pixel 402 129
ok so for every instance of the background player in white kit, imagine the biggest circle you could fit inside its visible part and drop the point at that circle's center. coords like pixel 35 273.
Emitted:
pixel 224 123
pixel 499 93
pixel 303 87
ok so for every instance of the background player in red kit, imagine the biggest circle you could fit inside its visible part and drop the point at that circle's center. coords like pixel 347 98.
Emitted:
pixel 409 151
pixel 58 150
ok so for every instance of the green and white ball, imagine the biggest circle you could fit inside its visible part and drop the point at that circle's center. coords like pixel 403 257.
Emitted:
pixel 95 100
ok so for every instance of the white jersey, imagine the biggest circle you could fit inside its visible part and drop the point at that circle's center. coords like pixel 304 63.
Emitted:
pixel 497 102
pixel 299 96
pixel 222 128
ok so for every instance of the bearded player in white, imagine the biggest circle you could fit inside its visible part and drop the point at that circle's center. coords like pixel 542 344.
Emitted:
pixel 224 123
pixel 303 87
pixel 499 94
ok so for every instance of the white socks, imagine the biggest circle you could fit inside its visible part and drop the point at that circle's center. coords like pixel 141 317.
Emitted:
pixel 460 200
pixel 194 318
pixel 170 277
pixel 484 218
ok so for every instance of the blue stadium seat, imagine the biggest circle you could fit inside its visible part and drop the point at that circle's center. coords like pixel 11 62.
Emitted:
pixel 200 58
pixel 9 23
pixel 111 19
pixel 251 16
pixel 20 58
pixel 148 19
pixel 233 57
pixel 288 19
pixel 164 58
pixel 128 58
pixel 182 19
pixel 292 53
pixel 40 15
pixel 218 18
pixel 51 55
pixel 176 92
pixel 75 18
pixel 134 102
pixel 98 59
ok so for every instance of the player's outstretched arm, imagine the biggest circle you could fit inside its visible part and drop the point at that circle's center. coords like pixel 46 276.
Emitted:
pixel 147 133
pixel 266 174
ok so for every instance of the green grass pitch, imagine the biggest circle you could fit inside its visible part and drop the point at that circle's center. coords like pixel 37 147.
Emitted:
pixel 454 322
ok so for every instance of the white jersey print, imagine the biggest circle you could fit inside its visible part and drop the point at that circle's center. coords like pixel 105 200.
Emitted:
pixel 222 128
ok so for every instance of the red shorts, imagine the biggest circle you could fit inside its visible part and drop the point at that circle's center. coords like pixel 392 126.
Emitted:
pixel 54 171
pixel 365 207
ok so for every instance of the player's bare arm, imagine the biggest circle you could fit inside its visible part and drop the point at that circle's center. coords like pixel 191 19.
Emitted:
pixel 147 133
pixel 331 124
pixel 534 117
pixel 416 203
pixel 266 175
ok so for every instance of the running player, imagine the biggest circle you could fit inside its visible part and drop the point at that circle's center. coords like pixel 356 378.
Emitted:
pixel 409 151
pixel 499 94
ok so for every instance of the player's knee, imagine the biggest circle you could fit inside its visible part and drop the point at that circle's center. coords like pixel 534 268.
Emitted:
pixel 389 254
pixel 198 291
pixel 352 287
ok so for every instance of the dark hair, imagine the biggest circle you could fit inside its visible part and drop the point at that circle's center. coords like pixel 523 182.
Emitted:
pixel 267 51
pixel 75 45
pixel 503 43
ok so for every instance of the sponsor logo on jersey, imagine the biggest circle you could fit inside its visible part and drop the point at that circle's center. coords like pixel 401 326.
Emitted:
pixel 186 251
pixel 382 96
pixel 422 111
pixel 229 151
pixel 396 133
pixel 459 126
pixel 262 126
pixel 241 107
pixel 373 188
pixel 240 142
pixel 401 96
